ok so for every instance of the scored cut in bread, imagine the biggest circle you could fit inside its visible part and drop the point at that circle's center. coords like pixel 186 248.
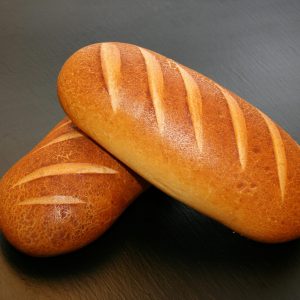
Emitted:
pixel 188 136
pixel 64 193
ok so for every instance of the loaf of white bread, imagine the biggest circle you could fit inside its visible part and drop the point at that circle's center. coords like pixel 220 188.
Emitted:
pixel 64 194
pixel 188 136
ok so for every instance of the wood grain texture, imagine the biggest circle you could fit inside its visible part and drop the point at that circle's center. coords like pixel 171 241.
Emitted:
pixel 252 47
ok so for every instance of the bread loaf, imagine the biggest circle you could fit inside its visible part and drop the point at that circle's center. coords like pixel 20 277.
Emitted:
pixel 64 194
pixel 187 135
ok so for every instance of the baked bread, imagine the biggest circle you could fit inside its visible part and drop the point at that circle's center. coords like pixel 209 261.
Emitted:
pixel 64 194
pixel 188 136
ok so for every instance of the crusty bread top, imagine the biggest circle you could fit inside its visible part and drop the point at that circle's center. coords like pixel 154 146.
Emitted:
pixel 64 193
pixel 187 135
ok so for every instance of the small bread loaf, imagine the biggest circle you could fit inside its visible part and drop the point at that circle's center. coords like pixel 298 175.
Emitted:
pixel 187 135
pixel 64 194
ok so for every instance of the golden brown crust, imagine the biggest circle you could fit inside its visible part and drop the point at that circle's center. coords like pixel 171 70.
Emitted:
pixel 64 194
pixel 187 135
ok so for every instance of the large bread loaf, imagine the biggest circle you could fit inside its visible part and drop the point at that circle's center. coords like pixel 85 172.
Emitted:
pixel 188 135
pixel 64 194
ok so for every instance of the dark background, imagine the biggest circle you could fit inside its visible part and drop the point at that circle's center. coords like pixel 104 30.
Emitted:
pixel 159 249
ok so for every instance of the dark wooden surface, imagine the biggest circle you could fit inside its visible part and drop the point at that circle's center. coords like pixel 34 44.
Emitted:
pixel 159 249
